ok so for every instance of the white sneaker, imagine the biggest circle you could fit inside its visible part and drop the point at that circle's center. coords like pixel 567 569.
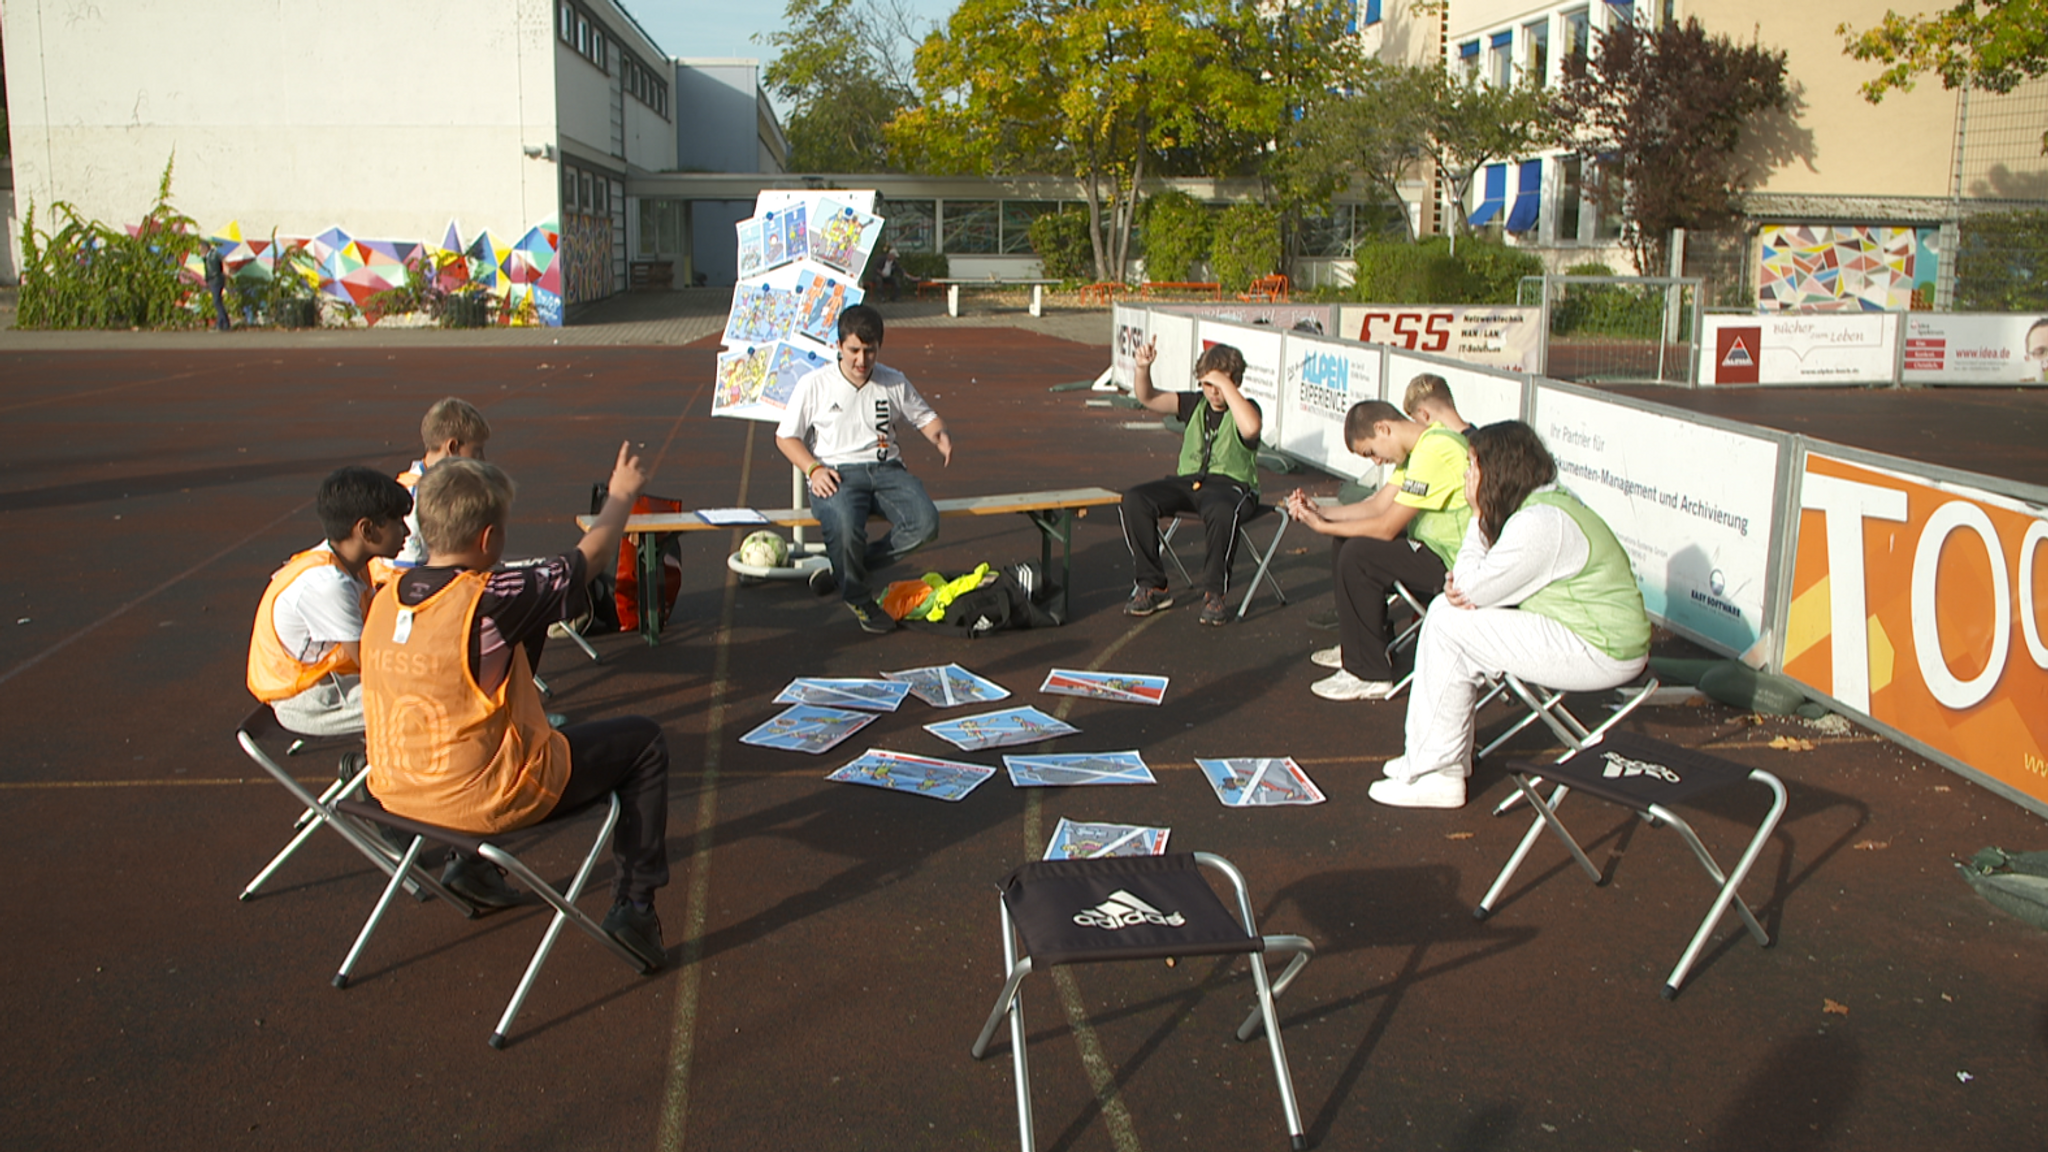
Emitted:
pixel 1344 686
pixel 1429 790
pixel 1331 657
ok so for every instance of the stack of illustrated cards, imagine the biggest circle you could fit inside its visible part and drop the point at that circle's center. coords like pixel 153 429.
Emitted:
pixel 943 779
pixel 1025 725
pixel 1259 782
pixel 1074 840
pixel 805 728
pixel 866 695
pixel 947 685
pixel 1078 768
pixel 1125 687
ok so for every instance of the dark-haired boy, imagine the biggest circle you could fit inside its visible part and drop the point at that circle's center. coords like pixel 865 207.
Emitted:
pixel 456 730
pixel 303 655
pixel 1217 477
pixel 839 429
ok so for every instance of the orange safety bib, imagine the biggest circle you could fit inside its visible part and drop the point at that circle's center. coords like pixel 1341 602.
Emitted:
pixel 442 750
pixel 275 674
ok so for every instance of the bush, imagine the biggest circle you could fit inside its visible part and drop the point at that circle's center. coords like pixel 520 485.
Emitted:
pixel 2002 263
pixel 1176 231
pixel 1060 240
pixel 1246 245
pixel 925 265
pixel 90 275
pixel 1426 272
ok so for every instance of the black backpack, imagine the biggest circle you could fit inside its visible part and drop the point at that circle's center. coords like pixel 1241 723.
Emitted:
pixel 1019 597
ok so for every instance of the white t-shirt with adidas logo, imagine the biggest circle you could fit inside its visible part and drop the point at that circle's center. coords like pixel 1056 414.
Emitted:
pixel 842 424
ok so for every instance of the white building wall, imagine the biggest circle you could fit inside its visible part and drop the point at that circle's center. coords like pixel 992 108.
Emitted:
pixel 389 117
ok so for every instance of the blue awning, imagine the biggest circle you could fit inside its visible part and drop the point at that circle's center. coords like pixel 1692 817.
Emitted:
pixel 1528 197
pixel 1503 39
pixel 1468 50
pixel 1496 196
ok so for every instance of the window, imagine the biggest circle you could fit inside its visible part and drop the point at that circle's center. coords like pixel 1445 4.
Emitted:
pixel 582 35
pixel 1578 37
pixel 1569 191
pixel 1468 57
pixel 586 199
pixel 970 227
pixel 1620 12
pixel 1017 218
pixel 1606 224
pixel 911 225
pixel 1372 12
pixel 1327 235
pixel 1536 58
pixel 568 22
pixel 1500 56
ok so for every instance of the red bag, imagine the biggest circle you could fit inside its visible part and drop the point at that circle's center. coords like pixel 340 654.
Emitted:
pixel 627 594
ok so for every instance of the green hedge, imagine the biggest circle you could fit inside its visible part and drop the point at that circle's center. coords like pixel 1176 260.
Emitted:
pixel 2002 263
pixel 925 265
pixel 1246 245
pixel 1060 241
pixel 1176 229
pixel 1427 272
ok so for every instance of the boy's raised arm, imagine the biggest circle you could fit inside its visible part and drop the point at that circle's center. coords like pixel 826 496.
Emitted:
pixel 601 543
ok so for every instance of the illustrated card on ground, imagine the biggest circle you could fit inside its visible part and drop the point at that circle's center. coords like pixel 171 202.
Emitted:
pixel 1025 725
pixel 949 685
pixel 1078 768
pixel 826 692
pixel 1125 687
pixel 1260 782
pixel 1076 840
pixel 805 728
pixel 943 779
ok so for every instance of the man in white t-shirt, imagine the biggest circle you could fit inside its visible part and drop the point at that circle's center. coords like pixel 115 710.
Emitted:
pixel 839 429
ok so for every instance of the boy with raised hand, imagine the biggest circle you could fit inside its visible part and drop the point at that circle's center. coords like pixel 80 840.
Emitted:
pixel 457 735
pixel 839 429
pixel 1217 477
pixel 303 655
pixel 1408 531
pixel 451 428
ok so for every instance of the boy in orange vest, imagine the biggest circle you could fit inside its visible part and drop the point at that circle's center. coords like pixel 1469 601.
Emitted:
pixel 303 649
pixel 456 732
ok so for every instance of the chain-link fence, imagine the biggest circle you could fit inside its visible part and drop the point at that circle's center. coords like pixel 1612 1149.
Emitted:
pixel 1617 329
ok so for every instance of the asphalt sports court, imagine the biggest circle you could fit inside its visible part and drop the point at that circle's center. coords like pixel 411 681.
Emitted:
pixel 833 948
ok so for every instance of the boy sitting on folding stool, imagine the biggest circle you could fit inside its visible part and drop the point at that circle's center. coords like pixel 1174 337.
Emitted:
pixel 451 428
pixel 302 649
pixel 457 736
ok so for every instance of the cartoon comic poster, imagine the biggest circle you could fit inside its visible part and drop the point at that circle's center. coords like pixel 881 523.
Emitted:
pixel 796 236
pixel 740 376
pixel 843 236
pixel 820 300
pixel 753 254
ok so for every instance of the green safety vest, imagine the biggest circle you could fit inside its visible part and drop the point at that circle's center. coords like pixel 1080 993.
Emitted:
pixel 1224 451
pixel 1600 603
pixel 1442 531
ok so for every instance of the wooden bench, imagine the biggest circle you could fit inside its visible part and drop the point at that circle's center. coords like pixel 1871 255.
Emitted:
pixel 653 275
pixel 1052 513
pixel 1210 288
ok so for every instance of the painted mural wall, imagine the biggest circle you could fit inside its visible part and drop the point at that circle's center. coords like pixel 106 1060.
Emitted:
pixel 1846 268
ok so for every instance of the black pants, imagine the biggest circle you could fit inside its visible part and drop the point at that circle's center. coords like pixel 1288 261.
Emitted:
pixel 1223 504
pixel 628 756
pixel 1363 570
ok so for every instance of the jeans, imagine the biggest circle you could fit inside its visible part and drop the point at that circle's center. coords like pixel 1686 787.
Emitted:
pixel 886 488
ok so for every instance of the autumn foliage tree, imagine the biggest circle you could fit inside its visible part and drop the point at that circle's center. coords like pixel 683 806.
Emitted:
pixel 840 67
pixel 1660 116
pixel 1988 44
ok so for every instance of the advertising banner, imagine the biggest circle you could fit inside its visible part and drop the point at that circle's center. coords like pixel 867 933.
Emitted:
pixel 1128 329
pixel 1174 370
pixel 1692 505
pixel 1943 348
pixel 1291 317
pixel 1919 604
pixel 1319 382
pixel 1498 336
pixel 1807 348
pixel 1482 397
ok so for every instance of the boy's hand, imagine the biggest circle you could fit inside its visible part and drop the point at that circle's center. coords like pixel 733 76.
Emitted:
pixel 628 477
pixel 1146 353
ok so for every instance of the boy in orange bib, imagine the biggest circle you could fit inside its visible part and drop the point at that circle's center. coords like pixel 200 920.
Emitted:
pixel 457 735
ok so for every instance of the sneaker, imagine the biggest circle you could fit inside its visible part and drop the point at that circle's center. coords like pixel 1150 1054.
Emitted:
pixel 873 619
pixel 639 931
pixel 1331 657
pixel 1214 610
pixel 1324 620
pixel 480 882
pixel 351 763
pixel 1145 601
pixel 1429 790
pixel 1344 686
pixel 822 581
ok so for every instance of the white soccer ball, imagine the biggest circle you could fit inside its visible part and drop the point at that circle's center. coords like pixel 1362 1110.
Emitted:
pixel 764 549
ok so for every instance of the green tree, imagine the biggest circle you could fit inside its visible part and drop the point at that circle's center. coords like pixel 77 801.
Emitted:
pixel 838 66
pixel 1094 89
pixel 1371 133
pixel 1247 245
pixel 1661 116
pixel 1177 228
pixel 1989 44
pixel 1468 124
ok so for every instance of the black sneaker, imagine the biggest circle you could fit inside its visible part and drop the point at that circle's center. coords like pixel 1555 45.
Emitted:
pixel 1145 601
pixel 1323 620
pixel 1214 610
pixel 480 882
pixel 639 931
pixel 822 582
pixel 873 619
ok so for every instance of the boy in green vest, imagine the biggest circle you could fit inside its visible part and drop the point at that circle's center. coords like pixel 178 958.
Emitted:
pixel 1217 477
pixel 1408 531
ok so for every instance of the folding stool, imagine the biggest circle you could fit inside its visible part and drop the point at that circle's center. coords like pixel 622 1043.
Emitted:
pixel 1244 537
pixel 1547 705
pixel 321 811
pixel 1134 908
pixel 1647 777
pixel 489 848
pixel 1406 637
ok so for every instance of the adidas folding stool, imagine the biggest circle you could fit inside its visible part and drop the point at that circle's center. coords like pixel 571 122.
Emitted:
pixel 1134 908
pixel 1548 705
pixel 1265 557
pixel 1647 777
pixel 1405 638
